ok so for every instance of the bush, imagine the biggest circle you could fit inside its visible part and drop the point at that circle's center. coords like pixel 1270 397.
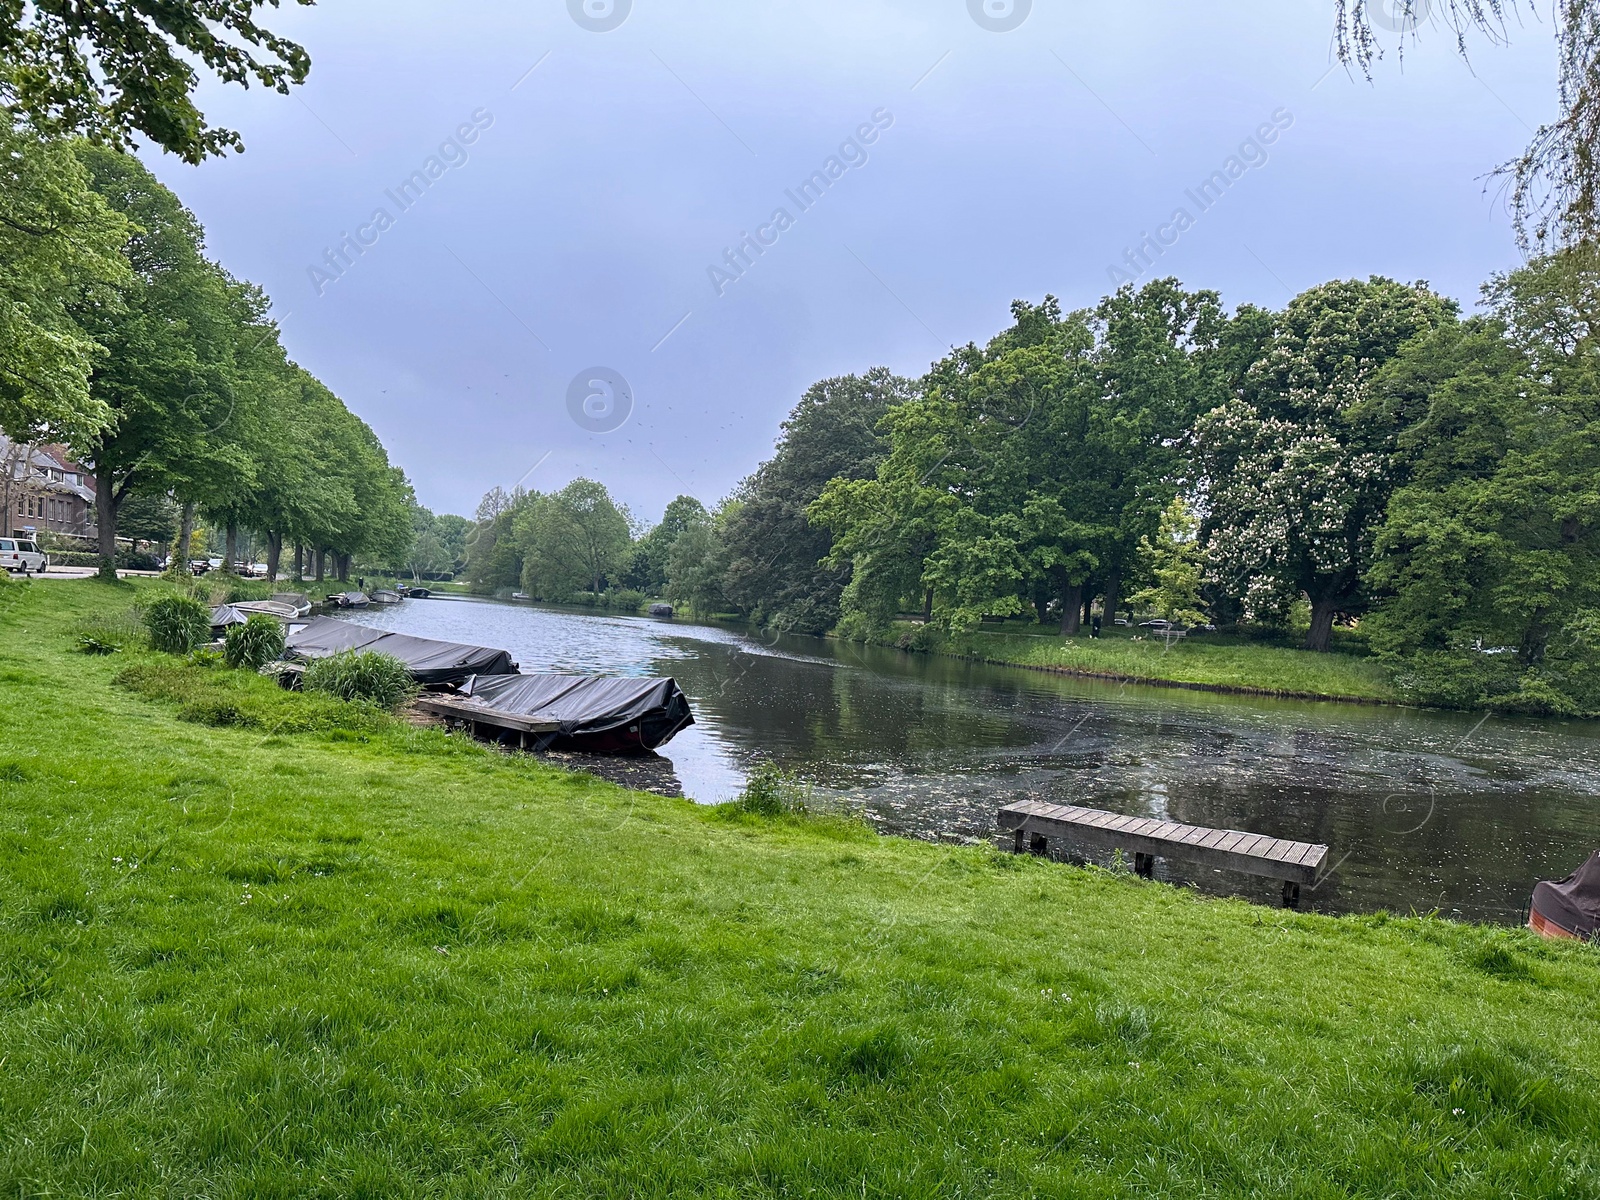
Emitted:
pixel 361 675
pixel 773 792
pixel 254 644
pixel 178 624
pixel 126 560
pixel 107 635
pixel 624 600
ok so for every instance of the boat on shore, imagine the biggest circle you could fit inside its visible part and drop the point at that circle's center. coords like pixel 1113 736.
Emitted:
pixel 351 599
pixel 1569 908
pixel 481 689
pixel 281 609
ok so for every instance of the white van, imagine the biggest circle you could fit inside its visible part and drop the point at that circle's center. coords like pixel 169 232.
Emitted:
pixel 21 554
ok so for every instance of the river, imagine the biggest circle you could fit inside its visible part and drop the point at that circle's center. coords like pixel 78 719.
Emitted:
pixel 1422 810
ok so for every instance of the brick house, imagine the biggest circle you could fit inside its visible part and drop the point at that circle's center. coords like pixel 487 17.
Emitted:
pixel 42 488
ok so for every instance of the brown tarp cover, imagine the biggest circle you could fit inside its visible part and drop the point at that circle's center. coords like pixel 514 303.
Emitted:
pixel 586 705
pixel 1574 903
pixel 429 661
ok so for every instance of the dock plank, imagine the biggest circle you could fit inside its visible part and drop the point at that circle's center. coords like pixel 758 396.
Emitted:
pixel 1231 849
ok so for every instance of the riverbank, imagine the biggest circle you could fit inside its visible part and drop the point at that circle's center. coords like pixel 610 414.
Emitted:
pixel 259 943
pixel 1201 661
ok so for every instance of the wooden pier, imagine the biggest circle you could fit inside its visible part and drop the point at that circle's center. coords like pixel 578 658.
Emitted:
pixel 487 722
pixel 1296 863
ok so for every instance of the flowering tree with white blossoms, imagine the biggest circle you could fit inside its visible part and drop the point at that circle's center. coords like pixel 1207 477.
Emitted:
pixel 1295 484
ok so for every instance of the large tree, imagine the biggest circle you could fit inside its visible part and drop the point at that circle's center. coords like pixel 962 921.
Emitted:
pixel 1295 483
pixel 776 557
pixel 573 540
pixel 60 249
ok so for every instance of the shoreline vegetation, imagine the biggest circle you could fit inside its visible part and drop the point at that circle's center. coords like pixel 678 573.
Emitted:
pixel 262 942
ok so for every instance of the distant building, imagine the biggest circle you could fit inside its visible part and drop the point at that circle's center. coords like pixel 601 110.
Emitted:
pixel 42 488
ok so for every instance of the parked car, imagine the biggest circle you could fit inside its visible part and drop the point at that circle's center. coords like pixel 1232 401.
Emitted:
pixel 22 554
pixel 199 566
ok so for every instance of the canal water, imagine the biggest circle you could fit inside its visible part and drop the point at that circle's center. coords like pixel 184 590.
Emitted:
pixel 1422 811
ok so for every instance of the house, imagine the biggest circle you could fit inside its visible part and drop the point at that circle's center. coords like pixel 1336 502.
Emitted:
pixel 43 489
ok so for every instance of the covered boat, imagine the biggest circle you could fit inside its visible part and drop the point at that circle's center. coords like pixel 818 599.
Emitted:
pixel 1570 908
pixel 599 714
pixel 660 610
pixel 430 661
pixel 224 615
pixel 350 599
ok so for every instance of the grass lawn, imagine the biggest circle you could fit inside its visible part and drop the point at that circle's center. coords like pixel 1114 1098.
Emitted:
pixel 1213 661
pixel 313 951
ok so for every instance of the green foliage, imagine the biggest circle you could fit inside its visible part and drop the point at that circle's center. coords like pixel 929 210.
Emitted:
pixel 200 693
pixel 177 623
pixel 1172 562
pixel 647 567
pixel 771 791
pixel 108 74
pixel 254 644
pixel 60 248
pixel 572 540
pixel 377 679
pixel 107 634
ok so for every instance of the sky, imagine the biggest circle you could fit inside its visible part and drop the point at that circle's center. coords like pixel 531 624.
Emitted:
pixel 561 292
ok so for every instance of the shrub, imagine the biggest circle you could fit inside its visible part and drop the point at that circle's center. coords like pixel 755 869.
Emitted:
pixel 178 623
pixel 773 792
pixel 108 634
pixel 254 644
pixel 624 600
pixel 361 675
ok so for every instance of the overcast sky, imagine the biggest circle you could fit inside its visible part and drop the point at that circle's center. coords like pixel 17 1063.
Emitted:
pixel 611 168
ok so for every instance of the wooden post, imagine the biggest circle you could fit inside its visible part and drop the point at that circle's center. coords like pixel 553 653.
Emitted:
pixel 1291 894
pixel 1019 843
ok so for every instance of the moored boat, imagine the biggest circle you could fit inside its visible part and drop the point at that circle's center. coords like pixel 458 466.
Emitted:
pixel 385 596
pixel 593 713
pixel 431 662
pixel 1569 908
pixel 298 600
pixel 351 599
pixel 283 610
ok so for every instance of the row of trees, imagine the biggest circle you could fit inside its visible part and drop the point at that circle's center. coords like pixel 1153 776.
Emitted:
pixel 1365 457
pixel 163 373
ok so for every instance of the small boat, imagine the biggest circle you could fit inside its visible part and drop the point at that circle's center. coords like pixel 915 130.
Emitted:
pixel 414 593
pixel 431 662
pixel 225 615
pixel 521 596
pixel 281 609
pixel 299 600
pixel 351 599
pixel 660 610
pixel 385 596
pixel 1571 907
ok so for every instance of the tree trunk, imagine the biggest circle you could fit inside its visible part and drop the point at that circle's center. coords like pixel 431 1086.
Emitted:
pixel 342 567
pixel 927 606
pixel 230 551
pixel 105 503
pixel 321 563
pixel 180 552
pixel 299 563
pixel 1088 607
pixel 1112 597
pixel 274 553
pixel 1071 608
pixel 1320 635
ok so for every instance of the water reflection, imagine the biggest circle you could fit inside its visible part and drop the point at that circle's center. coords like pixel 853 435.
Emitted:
pixel 1422 810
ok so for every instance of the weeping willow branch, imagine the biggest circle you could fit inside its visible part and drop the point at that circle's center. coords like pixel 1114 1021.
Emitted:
pixel 1552 188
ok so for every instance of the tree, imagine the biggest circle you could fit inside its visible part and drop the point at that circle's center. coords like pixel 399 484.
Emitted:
pixel 1171 560
pixel 166 377
pixel 1488 562
pixel 110 70
pixel 573 540
pixel 647 569
pixel 1294 484
pixel 776 557
pixel 60 249
pixel 697 564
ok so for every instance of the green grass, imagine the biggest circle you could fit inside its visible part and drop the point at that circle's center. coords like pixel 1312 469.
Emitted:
pixel 315 951
pixel 1206 660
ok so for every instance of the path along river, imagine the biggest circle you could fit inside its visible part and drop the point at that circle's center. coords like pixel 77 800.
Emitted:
pixel 1422 810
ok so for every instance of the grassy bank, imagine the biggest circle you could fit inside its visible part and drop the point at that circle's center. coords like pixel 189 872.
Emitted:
pixel 1202 660
pixel 255 944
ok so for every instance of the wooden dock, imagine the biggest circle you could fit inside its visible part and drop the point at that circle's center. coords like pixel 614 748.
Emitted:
pixel 480 721
pixel 1296 863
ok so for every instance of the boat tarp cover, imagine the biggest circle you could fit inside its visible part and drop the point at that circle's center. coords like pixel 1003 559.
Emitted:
pixel 584 704
pixel 429 661
pixel 1574 903
pixel 226 614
